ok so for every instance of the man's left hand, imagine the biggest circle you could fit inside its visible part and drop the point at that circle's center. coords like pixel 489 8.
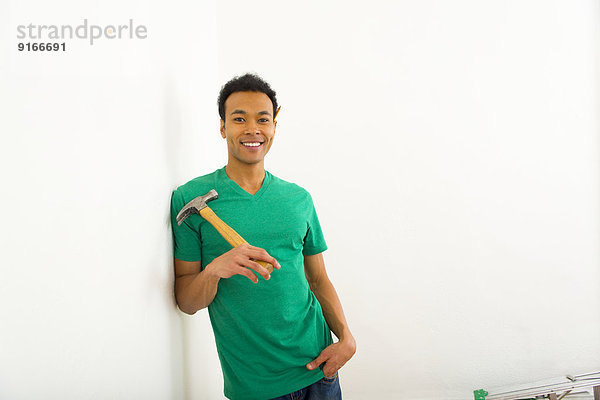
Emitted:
pixel 334 356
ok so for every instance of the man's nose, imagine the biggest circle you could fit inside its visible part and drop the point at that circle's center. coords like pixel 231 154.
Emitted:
pixel 252 128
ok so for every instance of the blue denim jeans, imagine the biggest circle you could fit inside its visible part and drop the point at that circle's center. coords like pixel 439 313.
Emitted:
pixel 325 389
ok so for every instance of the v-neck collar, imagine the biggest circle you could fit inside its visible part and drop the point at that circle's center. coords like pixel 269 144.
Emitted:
pixel 240 190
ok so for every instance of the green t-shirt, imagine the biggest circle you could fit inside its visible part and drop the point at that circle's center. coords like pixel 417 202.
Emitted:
pixel 267 332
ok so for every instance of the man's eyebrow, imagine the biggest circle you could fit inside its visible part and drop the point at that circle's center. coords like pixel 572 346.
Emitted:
pixel 244 112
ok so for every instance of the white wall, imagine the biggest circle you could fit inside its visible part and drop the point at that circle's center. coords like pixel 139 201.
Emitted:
pixel 466 132
pixel 93 141
pixel 452 152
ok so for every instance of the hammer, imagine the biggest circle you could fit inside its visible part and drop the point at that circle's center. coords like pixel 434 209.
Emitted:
pixel 198 206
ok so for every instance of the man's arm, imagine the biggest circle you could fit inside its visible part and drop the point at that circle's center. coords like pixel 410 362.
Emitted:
pixel 336 355
pixel 196 289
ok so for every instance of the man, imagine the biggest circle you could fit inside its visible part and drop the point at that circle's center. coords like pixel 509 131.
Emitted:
pixel 272 330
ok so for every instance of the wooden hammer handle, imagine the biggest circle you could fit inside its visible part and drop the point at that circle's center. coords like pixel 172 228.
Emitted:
pixel 232 237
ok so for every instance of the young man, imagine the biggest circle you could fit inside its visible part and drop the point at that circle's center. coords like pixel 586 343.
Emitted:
pixel 272 330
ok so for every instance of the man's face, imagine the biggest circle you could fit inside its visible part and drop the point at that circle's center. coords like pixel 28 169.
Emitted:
pixel 248 127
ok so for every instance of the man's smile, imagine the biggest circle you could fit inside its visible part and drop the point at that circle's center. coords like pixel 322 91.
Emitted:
pixel 252 144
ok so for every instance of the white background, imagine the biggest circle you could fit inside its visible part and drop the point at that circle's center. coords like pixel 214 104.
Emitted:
pixel 451 149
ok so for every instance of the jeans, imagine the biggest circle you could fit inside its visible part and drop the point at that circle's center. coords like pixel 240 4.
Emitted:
pixel 325 389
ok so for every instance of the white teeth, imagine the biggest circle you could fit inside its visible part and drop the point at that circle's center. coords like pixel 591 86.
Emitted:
pixel 253 144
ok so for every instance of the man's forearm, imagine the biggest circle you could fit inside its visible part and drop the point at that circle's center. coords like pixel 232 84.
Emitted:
pixel 332 309
pixel 197 291
pixel 334 356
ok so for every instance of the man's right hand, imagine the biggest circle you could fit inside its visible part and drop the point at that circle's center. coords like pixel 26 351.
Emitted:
pixel 240 261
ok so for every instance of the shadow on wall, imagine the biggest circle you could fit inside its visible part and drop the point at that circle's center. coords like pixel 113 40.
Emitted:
pixel 191 144
pixel 173 134
pixel 173 139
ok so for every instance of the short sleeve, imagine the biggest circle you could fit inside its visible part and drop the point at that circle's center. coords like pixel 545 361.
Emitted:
pixel 186 240
pixel 314 241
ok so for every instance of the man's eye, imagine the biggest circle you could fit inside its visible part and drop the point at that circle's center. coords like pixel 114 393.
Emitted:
pixel 239 119
pixel 263 120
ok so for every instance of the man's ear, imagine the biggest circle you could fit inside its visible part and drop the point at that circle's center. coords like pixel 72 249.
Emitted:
pixel 222 129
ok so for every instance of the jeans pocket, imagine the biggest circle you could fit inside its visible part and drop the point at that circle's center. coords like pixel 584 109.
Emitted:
pixel 330 379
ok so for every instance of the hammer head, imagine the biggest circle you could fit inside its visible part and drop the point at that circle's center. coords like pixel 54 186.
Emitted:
pixel 194 206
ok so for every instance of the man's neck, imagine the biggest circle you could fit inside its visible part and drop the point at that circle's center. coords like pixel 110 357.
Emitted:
pixel 249 177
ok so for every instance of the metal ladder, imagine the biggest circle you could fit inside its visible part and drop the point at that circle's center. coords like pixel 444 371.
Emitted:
pixel 568 387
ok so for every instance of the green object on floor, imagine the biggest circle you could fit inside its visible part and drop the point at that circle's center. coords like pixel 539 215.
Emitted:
pixel 480 394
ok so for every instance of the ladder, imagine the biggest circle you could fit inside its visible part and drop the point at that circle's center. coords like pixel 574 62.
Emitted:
pixel 565 388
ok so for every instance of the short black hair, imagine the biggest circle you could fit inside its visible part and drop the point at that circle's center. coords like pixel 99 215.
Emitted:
pixel 245 83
